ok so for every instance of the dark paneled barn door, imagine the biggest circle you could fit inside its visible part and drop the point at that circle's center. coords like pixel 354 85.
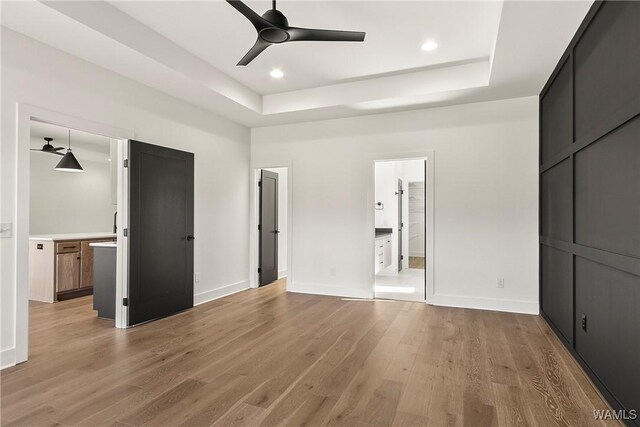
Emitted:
pixel 590 200
pixel 268 228
pixel 400 225
pixel 160 232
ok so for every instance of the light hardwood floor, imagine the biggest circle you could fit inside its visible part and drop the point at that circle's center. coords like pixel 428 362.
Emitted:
pixel 267 357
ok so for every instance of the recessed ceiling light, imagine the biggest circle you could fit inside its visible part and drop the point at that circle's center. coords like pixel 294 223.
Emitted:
pixel 277 73
pixel 429 46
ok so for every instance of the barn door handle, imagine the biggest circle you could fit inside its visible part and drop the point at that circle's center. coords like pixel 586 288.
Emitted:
pixel 190 237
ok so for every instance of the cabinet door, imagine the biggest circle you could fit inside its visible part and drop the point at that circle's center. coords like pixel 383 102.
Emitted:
pixel 387 253
pixel 67 271
pixel 86 265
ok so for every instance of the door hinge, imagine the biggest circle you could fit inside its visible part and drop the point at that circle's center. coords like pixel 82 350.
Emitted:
pixel 125 232
pixel 126 163
pixel 401 256
pixel 259 270
pixel 259 183
pixel 259 227
pixel 125 302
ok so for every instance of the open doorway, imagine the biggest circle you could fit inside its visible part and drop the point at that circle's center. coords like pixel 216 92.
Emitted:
pixel 271 238
pixel 400 229
pixel 73 205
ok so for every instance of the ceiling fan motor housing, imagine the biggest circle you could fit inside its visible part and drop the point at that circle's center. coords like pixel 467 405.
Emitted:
pixel 277 33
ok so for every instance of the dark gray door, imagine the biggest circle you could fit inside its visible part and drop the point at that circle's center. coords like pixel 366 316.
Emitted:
pixel 268 228
pixel 400 224
pixel 160 232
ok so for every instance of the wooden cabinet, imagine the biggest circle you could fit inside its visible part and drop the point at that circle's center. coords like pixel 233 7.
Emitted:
pixel 86 265
pixel 67 271
pixel 61 267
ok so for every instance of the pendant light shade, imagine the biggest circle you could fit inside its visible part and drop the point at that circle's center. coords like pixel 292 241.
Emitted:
pixel 69 163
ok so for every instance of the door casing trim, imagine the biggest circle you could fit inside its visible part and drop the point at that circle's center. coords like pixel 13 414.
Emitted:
pixel 25 113
pixel 254 206
pixel 429 157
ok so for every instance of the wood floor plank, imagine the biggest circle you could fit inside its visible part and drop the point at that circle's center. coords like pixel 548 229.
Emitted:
pixel 268 357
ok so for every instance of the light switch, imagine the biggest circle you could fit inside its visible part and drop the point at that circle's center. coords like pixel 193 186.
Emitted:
pixel 6 230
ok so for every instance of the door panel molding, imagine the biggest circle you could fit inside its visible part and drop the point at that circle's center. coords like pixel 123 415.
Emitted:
pixel 161 224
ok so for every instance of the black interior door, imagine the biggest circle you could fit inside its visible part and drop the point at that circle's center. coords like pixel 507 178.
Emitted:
pixel 400 225
pixel 160 232
pixel 268 228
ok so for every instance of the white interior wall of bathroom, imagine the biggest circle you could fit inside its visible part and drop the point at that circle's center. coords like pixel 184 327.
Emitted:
pixel 387 174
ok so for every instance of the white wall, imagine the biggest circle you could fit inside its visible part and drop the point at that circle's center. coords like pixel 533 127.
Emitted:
pixel 63 202
pixel 485 198
pixel 74 87
pixel 282 220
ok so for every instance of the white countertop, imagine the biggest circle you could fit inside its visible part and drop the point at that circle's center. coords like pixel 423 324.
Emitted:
pixel 74 236
pixel 104 245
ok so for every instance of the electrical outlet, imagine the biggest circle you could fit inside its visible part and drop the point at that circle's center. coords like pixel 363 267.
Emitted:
pixel 501 282
pixel 584 322
pixel 197 277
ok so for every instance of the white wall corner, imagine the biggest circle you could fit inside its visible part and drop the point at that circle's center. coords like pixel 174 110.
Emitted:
pixel 494 304
pixel 214 294
pixel 7 358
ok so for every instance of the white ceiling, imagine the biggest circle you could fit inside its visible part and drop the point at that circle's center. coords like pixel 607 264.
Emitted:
pixel 395 32
pixel 188 49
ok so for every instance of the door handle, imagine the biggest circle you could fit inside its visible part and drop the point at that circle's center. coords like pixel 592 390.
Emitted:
pixel 190 237
pixel 276 231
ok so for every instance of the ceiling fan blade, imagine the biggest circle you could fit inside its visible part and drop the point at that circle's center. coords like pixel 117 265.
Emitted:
pixel 36 149
pixel 313 34
pixel 254 51
pixel 55 152
pixel 58 148
pixel 258 21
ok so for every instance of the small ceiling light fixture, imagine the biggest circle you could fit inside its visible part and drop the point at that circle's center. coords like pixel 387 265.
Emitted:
pixel 69 163
pixel 276 73
pixel 429 46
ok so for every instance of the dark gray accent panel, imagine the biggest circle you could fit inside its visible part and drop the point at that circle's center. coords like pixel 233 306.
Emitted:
pixel 104 281
pixel 556 202
pixel 557 289
pixel 607 66
pixel 556 115
pixel 590 199
pixel 610 299
pixel 607 189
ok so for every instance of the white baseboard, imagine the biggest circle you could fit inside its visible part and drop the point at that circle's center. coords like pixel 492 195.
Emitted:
pixel 328 290
pixel 510 306
pixel 282 273
pixel 207 296
pixel 7 358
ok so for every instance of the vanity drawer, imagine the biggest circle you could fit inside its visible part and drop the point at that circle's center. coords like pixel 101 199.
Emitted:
pixel 66 247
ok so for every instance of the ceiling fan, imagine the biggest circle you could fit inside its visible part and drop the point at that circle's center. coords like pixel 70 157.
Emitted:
pixel 273 28
pixel 48 148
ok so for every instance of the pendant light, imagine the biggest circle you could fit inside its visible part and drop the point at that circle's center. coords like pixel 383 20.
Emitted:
pixel 69 163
